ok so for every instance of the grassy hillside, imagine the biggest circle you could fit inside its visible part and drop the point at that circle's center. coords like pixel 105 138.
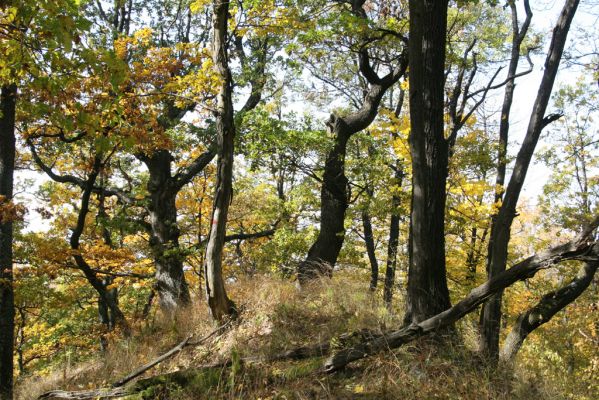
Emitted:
pixel 278 317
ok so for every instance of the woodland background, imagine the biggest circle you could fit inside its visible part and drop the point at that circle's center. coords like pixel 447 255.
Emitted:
pixel 308 185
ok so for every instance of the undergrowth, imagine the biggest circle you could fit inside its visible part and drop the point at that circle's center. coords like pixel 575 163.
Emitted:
pixel 275 317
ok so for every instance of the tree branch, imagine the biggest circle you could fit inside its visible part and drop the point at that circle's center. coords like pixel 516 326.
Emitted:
pixel 549 305
pixel 583 247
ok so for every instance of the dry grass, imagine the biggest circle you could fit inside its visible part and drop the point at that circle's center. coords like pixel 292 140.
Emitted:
pixel 275 316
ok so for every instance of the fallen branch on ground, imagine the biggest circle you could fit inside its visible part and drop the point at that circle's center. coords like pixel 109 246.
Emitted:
pixel 549 305
pixel 583 247
pixel 85 394
pixel 117 387
pixel 167 355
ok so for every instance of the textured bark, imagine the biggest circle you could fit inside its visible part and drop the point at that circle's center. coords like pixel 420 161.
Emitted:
pixel 427 293
pixel 334 200
pixel 580 248
pixel 7 310
pixel 500 232
pixel 220 305
pixel 545 309
pixel 163 187
pixel 171 285
pixel 323 254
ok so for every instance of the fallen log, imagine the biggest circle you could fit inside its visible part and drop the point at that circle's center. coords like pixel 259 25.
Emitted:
pixel 549 305
pixel 85 394
pixel 299 353
pixel 583 247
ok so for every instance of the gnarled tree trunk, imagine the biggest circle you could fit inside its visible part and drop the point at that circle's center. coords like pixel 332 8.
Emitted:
pixel 323 254
pixel 545 309
pixel 164 241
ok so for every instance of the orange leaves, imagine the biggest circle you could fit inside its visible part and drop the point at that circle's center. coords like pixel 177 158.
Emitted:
pixel 9 211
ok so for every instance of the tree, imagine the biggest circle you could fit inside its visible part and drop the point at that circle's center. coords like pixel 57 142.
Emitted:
pixel 500 231
pixel 8 99
pixel 549 305
pixel 569 199
pixel 20 24
pixel 427 282
pixel 220 305
pixel 323 253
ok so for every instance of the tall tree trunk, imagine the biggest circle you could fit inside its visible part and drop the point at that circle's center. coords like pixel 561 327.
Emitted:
pixel 427 282
pixel 518 35
pixel 545 309
pixel 393 244
pixel 107 318
pixel 170 279
pixel 220 305
pixel 7 168
pixel 500 232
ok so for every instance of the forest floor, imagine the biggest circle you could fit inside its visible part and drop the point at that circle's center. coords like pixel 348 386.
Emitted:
pixel 276 317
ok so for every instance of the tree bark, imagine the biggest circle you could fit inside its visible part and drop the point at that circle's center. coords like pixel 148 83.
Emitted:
pixel 518 35
pixel 427 293
pixel 164 241
pixel 500 232
pixel 163 187
pixel 220 305
pixel 393 243
pixel 7 168
pixel 334 201
pixel 107 318
pixel 545 309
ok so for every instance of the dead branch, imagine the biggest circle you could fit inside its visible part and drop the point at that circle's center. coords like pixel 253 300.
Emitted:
pixel 582 247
